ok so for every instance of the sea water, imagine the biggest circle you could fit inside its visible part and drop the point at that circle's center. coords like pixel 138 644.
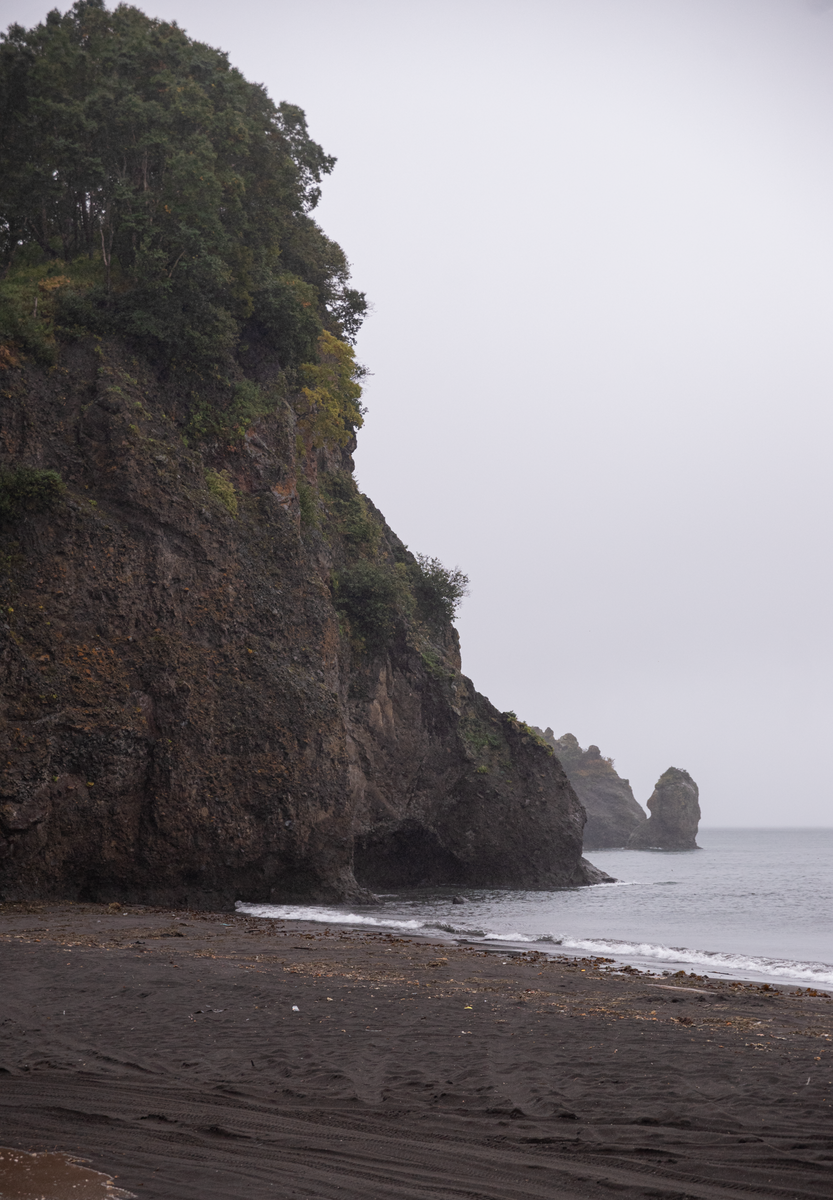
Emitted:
pixel 750 904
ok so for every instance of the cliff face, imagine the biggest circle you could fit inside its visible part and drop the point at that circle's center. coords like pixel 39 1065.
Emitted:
pixel 188 716
pixel 613 814
pixel 675 815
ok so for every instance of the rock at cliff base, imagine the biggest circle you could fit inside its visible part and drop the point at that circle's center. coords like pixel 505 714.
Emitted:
pixel 675 815
pixel 586 874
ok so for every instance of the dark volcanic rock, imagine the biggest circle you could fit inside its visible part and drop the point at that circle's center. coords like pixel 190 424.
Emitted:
pixel 675 815
pixel 612 812
pixel 185 716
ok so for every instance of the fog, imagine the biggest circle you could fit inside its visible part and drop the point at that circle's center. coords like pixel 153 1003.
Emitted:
pixel 597 239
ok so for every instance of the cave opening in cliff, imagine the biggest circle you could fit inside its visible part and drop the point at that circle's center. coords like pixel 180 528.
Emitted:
pixel 408 856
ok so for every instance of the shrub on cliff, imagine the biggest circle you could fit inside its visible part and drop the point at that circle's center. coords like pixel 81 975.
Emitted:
pixel 348 510
pixel 27 489
pixel 438 590
pixel 371 596
pixel 374 595
pixel 222 489
pixel 124 141
pixel 229 422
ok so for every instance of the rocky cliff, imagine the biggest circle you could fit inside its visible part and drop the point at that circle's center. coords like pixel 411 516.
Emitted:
pixel 675 815
pixel 217 681
pixel 612 812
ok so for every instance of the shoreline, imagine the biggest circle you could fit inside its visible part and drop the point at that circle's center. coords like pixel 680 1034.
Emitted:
pixel 603 948
pixel 209 1055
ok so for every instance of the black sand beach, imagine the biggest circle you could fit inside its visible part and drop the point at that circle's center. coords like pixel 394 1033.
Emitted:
pixel 164 1047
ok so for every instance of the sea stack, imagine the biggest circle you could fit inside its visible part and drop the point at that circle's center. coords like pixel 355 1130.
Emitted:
pixel 675 815
pixel 613 814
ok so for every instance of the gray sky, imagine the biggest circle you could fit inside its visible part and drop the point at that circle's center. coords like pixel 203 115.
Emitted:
pixel 597 236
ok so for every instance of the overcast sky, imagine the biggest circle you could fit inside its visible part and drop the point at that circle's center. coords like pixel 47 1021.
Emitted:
pixel 598 239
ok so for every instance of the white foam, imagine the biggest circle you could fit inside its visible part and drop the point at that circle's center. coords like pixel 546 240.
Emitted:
pixel 329 916
pixel 816 974
pixel 335 916
pixel 812 974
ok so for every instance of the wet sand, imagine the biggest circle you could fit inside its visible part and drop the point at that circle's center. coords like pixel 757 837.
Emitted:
pixel 163 1047
pixel 53 1175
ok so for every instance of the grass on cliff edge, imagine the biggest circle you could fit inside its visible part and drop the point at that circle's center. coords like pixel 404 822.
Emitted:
pixel 30 300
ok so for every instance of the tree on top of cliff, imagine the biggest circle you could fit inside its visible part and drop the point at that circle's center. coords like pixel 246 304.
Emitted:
pixel 125 141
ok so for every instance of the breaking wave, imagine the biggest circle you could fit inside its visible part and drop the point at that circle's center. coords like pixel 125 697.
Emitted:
pixel 327 916
pixel 815 974
pixel 646 954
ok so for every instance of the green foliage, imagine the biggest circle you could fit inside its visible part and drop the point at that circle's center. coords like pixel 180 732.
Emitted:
pixel 29 298
pixel 221 487
pixel 437 590
pixel 434 665
pixel 311 255
pixel 371 596
pixel 349 510
pixel 308 502
pixel 209 421
pixel 479 736
pixel 286 314
pixel 329 406
pixel 28 489
pixel 184 185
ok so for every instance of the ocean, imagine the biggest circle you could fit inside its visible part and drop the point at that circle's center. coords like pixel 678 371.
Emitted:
pixel 754 904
